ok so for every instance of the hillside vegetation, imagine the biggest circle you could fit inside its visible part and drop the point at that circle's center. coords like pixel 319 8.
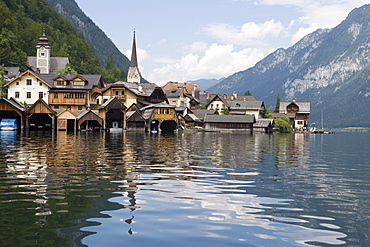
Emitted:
pixel 23 22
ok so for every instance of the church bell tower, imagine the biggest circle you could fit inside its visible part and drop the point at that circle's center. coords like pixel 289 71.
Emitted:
pixel 43 55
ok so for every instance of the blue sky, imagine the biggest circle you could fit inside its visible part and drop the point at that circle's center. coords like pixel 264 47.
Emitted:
pixel 182 40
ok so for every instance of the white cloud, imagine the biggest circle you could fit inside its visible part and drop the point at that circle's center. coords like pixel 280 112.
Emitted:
pixel 218 61
pixel 196 47
pixel 314 13
pixel 141 54
pixel 248 34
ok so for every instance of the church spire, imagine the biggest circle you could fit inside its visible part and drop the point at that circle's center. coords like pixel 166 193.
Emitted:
pixel 133 74
pixel 133 62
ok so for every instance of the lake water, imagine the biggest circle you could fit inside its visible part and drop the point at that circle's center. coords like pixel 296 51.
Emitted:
pixel 184 189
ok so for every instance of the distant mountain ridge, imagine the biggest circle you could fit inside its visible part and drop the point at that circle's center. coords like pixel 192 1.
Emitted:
pixel 329 67
pixel 94 36
pixel 205 84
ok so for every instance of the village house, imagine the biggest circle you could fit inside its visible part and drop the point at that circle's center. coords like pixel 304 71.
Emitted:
pixel 10 72
pixel 28 87
pixel 297 112
pixel 158 117
pixel 141 94
pixel 222 104
pixel 183 94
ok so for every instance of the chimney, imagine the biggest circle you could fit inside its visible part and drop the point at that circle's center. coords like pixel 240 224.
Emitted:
pixel 235 95
pixel 194 89
pixel 208 95
pixel 140 88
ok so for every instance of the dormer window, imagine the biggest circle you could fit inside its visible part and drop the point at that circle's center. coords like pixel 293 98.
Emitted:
pixel 292 108
pixel 59 82
pixel 78 83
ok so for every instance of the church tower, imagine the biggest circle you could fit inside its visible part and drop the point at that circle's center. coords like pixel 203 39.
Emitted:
pixel 43 55
pixel 133 74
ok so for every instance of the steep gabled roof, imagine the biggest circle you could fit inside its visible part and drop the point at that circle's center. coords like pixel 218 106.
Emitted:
pixel 113 103
pixel 304 107
pixel 14 103
pixel 41 101
pixel 29 72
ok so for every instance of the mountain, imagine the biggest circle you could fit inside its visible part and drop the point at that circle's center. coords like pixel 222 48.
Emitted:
pixel 23 23
pixel 204 84
pixel 329 67
pixel 103 46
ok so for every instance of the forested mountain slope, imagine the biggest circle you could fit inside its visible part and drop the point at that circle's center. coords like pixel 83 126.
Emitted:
pixel 23 22
pixel 103 46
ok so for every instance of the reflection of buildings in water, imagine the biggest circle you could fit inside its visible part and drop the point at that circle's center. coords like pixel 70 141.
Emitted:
pixel 291 148
pixel 29 168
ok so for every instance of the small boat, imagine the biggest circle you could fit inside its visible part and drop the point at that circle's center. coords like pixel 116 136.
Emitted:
pixel 8 124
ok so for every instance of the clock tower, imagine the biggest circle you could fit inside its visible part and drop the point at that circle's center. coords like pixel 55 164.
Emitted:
pixel 133 74
pixel 43 55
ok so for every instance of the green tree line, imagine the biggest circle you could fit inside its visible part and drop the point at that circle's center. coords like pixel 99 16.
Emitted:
pixel 23 22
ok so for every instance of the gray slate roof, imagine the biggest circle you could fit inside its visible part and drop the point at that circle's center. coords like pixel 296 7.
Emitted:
pixel 92 80
pixel 229 119
pixel 304 107
pixel 11 72
pixel 246 105
pixel 56 63
pixel 139 89
pixel 263 123
pixel 174 93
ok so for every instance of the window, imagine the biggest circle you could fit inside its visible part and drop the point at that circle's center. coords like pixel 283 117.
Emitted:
pixel 116 92
pixel 164 111
pixel 40 84
pixel 55 95
pixel 79 95
pixel 41 94
pixel 68 95
pixel 16 95
pixel 28 95
pixel 74 95
pixel 60 83
pixel 122 92
pixel 97 101
pixel 78 83
pixel 79 107
pixel 17 83
pixel 29 82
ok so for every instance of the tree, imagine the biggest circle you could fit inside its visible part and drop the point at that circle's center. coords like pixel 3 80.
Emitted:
pixel 226 111
pixel 248 93
pixel 282 125
pixel 201 106
pixel 277 106
pixel 67 70
pixel 3 91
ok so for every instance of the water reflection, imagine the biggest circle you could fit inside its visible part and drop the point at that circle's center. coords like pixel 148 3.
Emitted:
pixel 188 188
